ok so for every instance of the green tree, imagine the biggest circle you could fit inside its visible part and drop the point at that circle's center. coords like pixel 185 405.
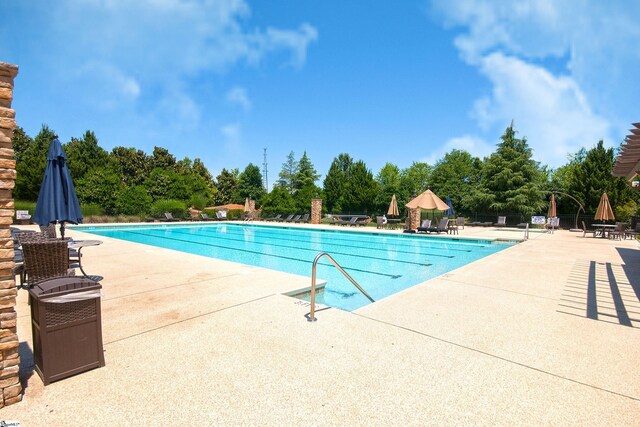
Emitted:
pixel 278 201
pixel 226 184
pixel 287 174
pixel 361 189
pixel 511 180
pixel 335 181
pixel 84 154
pixel 133 165
pixel 456 175
pixel 20 141
pixel 133 200
pixel 414 180
pixel 100 185
pixel 30 167
pixel 590 176
pixel 388 180
pixel 160 183
pixel 303 197
pixel 250 185
pixel 305 174
pixel 161 158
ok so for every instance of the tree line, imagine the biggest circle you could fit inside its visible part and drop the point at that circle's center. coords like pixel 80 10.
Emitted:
pixel 127 181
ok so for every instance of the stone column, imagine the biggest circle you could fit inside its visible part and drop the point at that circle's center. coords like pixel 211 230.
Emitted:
pixel 414 218
pixel 10 388
pixel 316 211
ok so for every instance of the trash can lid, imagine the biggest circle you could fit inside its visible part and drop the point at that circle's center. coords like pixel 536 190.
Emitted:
pixel 62 286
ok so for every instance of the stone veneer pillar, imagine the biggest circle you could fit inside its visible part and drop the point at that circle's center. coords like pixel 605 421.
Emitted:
pixel 316 211
pixel 414 218
pixel 10 388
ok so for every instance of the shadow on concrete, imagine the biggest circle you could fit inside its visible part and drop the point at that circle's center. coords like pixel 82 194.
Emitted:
pixel 604 291
pixel 27 365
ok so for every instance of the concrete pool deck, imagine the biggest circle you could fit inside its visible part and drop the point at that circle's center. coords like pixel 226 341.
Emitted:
pixel 544 332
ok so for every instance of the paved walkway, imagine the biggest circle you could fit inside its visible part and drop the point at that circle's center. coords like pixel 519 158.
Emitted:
pixel 545 332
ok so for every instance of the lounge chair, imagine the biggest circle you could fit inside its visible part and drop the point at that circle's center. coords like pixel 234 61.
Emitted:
pixel 221 215
pixel 275 218
pixel 351 221
pixel 205 217
pixel 424 227
pixel 168 217
pixel 287 219
pixel 295 218
pixel 442 227
pixel 305 218
pixel 379 222
pixel 502 221
pixel 460 222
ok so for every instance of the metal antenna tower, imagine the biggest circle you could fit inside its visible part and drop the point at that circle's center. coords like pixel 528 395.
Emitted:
pixel 264 171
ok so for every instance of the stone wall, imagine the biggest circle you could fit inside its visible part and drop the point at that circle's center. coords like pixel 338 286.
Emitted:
pixel 10 388
pixel 316 211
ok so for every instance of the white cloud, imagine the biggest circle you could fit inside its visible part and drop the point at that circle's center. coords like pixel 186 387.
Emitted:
pixel 473 144
pixel 551 111
pixel 521 45
pixel 238 96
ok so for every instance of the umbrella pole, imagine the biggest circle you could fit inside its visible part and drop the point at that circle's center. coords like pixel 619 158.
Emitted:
pixel 62 229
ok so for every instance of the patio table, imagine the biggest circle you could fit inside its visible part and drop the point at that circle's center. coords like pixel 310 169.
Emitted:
pixel 79 245
pixel 601 229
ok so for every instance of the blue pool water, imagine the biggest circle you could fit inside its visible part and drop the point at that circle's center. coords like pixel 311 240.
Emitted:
pixel 382 264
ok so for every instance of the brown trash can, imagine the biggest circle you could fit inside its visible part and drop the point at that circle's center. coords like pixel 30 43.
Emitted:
pixel 67 327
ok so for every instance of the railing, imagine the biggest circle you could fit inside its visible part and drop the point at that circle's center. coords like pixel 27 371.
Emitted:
pixel 311 317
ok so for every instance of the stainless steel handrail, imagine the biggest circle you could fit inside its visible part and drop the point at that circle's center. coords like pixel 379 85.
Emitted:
pixel 311 317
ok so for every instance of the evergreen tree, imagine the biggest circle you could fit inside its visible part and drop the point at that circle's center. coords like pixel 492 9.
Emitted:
pixel 306 175
pixel 30 168
pixel 335 182
pixel 250 185
pixel 287 175
pixel 591 176
pixel 361 189
pixel 226 184
pixel 511 180
pixel 278 201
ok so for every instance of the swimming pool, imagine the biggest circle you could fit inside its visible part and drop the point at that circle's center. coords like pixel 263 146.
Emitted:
pixel 382 264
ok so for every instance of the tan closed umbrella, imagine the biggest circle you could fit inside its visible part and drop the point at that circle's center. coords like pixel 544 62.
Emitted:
pixel 393 207
pixel 604 211
pixel 428 200
pixel 247 208
pixel 552 207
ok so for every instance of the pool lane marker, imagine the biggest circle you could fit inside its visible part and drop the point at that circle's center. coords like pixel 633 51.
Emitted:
pixel 223 236
pixel 212 234
pixel 392 276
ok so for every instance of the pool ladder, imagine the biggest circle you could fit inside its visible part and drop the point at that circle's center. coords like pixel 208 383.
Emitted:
pixel 311 314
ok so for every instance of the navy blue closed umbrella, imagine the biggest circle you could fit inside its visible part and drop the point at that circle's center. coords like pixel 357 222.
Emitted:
pixel 57 200
pixel 450 210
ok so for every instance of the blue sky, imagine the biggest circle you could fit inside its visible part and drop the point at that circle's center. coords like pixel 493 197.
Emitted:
pixel 385 81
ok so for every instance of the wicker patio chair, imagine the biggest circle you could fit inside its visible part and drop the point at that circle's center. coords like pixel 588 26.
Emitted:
pixel 44 259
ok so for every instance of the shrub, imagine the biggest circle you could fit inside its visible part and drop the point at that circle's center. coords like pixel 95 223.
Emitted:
pixel 133 201
pixel 198 201
pixel 22 205
pixel 91 209
pixel 177 208
pixel 234 214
